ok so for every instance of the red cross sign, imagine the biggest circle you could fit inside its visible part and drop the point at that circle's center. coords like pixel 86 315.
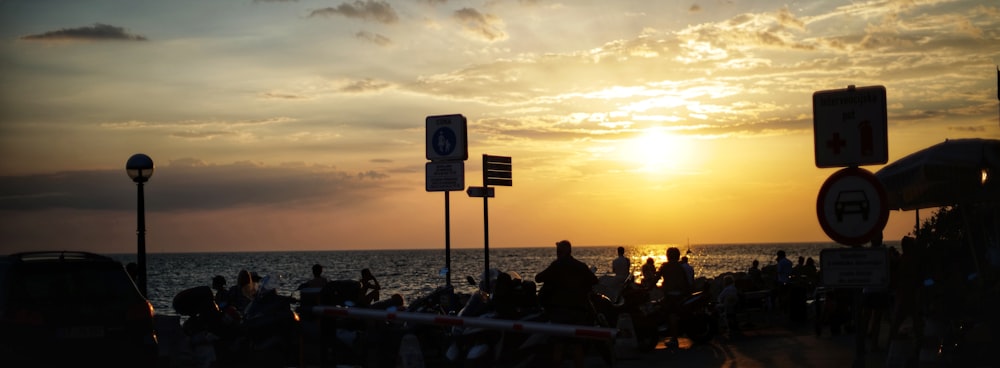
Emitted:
pixel 849 127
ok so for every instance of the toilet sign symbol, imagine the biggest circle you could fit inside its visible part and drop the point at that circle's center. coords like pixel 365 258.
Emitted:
pixel 447 138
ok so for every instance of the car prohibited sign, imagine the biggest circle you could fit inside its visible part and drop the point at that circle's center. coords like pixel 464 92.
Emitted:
pixel 852 206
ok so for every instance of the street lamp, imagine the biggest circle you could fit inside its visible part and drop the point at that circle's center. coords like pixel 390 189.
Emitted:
pixel 140 167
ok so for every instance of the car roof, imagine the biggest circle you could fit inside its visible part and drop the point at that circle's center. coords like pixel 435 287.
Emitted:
pixel 60 256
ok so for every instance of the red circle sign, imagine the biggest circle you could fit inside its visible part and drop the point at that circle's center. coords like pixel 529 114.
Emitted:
pixel 852 207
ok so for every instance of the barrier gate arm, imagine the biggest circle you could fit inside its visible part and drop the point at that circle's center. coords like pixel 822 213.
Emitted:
pixel 554 329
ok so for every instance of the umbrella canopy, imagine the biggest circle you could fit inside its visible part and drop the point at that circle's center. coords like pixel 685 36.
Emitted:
pixel 957 171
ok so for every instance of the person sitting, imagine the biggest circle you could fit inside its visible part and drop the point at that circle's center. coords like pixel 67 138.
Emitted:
pixel 221 294
pixel 318 279
pixel 621 266
pixel 241 294
pixel 309 291
pixel 369 288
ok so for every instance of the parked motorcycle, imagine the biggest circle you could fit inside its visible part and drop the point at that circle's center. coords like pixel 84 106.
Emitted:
pixel 697 315
pixel 265 334
pixel 509 298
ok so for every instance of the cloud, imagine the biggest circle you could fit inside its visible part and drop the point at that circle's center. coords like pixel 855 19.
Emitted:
pixel 190 184
pixel 365 85
pixel 283 96
pixel 367 10
pixel 481 26
pixel 97 32
pixel 207 129
pixel 374 38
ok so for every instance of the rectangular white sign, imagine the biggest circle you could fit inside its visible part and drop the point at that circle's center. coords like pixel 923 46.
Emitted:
pixel 445 176
pixel 849 127
pixel 855 267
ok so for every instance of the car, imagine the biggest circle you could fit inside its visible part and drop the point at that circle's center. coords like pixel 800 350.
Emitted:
pixel 71 308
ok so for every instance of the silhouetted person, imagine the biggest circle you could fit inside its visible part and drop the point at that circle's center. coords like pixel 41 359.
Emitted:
pixel 649 276
pixel 241 294
pixel 876 302
pixel 621 266
pixel 755 276
pixel 566 285
pixel 318 279
pixel 729 299
pixel 688 270
pixel 784 276
pixel 908 299
pixel 369 288
pixel 221 294
pixel 675 288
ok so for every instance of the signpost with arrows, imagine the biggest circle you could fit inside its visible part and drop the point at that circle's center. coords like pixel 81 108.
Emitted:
pixel 497 170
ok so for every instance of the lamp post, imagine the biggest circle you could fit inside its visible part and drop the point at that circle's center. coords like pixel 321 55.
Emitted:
pixel 140 167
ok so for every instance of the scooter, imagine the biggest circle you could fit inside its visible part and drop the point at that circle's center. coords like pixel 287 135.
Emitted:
pixel 265 334
pixel 648 310
pixel 509 298
pixel 696 315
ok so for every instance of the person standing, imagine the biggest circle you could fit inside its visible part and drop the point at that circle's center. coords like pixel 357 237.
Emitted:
pixel 729 300
pixel 621 266
pixel 675 288
pixel 688 270
pixel 784 277
pixel 566 286
pixel 755 276
pixel 649 276
pixel 784 268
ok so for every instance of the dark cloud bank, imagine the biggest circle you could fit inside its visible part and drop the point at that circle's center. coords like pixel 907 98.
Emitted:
pixel 187 187
pixel 96 32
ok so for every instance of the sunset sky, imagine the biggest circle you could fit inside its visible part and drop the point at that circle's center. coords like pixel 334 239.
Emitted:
pixel 300 125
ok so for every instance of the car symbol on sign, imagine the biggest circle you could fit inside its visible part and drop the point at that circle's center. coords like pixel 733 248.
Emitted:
pixel 851 202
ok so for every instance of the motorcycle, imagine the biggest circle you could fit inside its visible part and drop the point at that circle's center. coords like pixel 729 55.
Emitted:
pixel 265 334
pixel 509 298
pixel 648 310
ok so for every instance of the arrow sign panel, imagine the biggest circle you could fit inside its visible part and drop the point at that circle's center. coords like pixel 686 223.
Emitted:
pixel 497 170
pixel 479 192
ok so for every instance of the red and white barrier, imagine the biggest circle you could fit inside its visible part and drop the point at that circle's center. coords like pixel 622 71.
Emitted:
pixel 600 333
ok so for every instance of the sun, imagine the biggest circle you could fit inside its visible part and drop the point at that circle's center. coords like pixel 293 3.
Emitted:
pixel 656 150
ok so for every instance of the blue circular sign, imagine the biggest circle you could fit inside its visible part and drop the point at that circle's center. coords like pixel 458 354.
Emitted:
pixel 444 141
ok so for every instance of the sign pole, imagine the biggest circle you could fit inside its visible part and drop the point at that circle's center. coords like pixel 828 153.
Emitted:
pixel 486 230
pixel 447 239
pixel 447 147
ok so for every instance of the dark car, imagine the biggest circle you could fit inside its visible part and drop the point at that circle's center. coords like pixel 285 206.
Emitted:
pixel 72 309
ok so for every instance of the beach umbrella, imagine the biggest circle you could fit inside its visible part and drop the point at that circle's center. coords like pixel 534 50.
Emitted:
pixel 956 171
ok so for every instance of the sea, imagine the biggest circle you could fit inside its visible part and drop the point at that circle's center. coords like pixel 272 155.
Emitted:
pixel 415 273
